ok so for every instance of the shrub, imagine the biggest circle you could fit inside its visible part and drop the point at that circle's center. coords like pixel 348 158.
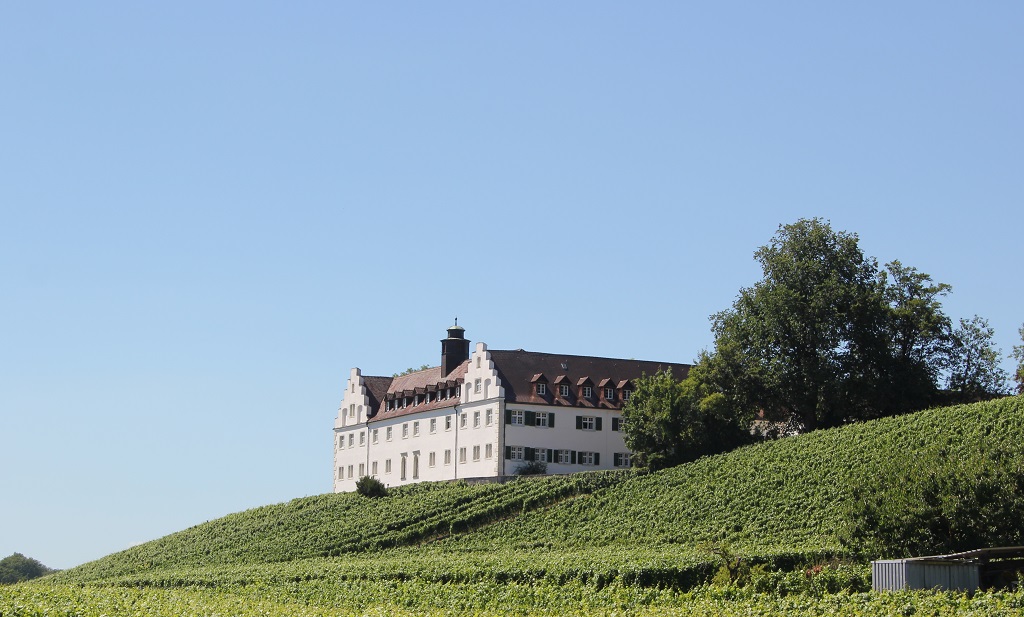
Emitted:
pixel 368 486
pixel 532 468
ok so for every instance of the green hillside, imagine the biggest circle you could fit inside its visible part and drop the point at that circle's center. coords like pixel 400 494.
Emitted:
pixel 781 527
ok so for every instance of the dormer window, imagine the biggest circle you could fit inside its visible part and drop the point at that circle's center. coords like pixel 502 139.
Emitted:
pixel 609 394
pixel 542 389
pixel 587 391
pixel 563 390
pixel 626 394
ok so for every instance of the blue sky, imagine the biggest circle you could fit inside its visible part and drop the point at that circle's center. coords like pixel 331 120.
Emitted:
pixel 209 212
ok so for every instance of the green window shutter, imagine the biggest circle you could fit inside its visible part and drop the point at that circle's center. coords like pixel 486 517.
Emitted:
pixel 508 417
pixel 529 454
pixel 531 418
pixel 579 424
pixel 573 457
pixel 551 419
pixel 597 458
pixel 508 452
pixel 616 424
pixel 597 423
pixel 617 460
pixel 551 455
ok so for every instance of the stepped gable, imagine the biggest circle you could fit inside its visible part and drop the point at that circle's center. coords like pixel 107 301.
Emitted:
pixel 521 370
pixel 419 382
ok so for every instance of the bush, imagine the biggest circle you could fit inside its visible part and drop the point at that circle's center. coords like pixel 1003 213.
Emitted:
pixel 368 486
pixel 532 468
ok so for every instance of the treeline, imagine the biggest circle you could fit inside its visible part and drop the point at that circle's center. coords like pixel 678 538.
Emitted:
pixel 827 337
pixel 16 568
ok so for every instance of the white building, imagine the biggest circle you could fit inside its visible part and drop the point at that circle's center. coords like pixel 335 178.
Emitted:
pixel 485 414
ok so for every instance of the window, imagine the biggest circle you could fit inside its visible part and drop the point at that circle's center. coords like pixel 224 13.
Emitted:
pixel 375 435
pixel 616 423
pixel 415 428
pixel 351 439
pixel 518 417
pixel 462 455
pixel 515 453
pixel 415 465
pixel 458 390
pixel 623 459
pixel 350 471
pixel 341 473
pixel 373 466
pixel 542 419
pixel 563 390
pixel 362 469
pixel 447 457
pixel 405 461
pixel 626 394
pixel 362 437
pixel 476 453
pixel 489 450
pixel 433 459
pixel 541 454
pixel 476 419
pixel 587 391
pixel 587 458
pixel 564 456
pixel 341 442
pixel 490 417
pixel 609 394
pixel 588 423
pixel 433 425
pixel 405 430
pixel 447 423
pixel 478 361
pixel 542 389
pixel 463 420
pixel 353 387
pixel 352 410
pixel 387 466
pixel 476 385
pixel 388 434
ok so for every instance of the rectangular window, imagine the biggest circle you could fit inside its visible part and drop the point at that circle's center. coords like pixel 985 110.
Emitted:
pixel 362 469
pixel 375 435
pixel 542 389
pixel 587 391
pixel 373 466
pixel 387 466
pixel 588 423
pixel 587 458
pixel 352 410
pixel 609 394
pixel 416 466
pixel 433 425
pixel 489 450
pixel 516 453
pixel 463 420
pixel 433 458
pixel 351 439
pixel 518 417
pixel 462 455
pixel 490 417
pixel 627 394
pixel 541 455
pixel 542 419
pixel 350 471
pixel 341 473
pixel 405 430
pixel 476 419
pixel 447 423
pixel 622 459
pixel 415 428
pixel 563 390
pixel 341 442
pixel 564 456
pixel 447 457
pixel 388 434
pixel 362 437
pixel 476 386
pixel 616 423
pixel 476 453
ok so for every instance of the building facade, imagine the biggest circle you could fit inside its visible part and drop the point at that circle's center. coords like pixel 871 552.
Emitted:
pixel 485 413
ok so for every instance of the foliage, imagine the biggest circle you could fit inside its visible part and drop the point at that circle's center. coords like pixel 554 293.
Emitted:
pixel 1018 355
pixel 369 486
pixel 532 468
pixel 975 373
pixel 411 370
pixel 828 338
pixel 668 422
pixel 17 567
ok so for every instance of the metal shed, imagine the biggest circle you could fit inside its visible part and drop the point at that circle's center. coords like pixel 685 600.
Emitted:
pixel 967 571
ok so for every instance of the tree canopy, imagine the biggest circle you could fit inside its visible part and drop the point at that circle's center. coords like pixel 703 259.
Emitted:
pixel 974 372
pixel 17 567
pixel 827 336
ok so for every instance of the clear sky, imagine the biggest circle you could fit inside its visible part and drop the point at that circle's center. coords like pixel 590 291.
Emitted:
pixel 210 211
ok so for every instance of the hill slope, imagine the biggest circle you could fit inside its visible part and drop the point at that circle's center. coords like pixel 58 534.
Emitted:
pixel 788 499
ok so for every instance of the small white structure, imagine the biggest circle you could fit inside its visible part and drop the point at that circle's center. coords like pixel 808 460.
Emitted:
pixel 485 414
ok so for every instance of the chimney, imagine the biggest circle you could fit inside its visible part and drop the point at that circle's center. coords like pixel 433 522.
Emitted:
pixel 454 349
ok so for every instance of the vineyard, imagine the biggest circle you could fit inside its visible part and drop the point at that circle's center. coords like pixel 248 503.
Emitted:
pixel 781 527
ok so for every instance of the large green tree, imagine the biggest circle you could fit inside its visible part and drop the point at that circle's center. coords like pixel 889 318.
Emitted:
pixel 827 337
pixel 667 422
pixel 974 372
pixel 17 567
